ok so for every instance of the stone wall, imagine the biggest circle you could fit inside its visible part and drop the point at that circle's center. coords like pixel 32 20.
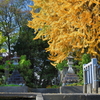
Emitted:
pixel 13 89
pixel 70 96
pixel 71 89
pixel 62 89
pixel 45 90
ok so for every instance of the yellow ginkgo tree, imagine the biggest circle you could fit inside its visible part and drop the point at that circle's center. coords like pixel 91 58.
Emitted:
pixel 68 25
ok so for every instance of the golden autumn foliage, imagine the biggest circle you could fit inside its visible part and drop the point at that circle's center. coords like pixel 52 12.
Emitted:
pixel 68 25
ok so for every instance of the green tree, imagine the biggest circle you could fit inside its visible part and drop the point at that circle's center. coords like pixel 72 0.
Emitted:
pixel 86 58
pixel 2 40
pixel 35 51
pixel 25 70
pixel 61 65
pixel 2 50
pixel 13 16
pixel 23 67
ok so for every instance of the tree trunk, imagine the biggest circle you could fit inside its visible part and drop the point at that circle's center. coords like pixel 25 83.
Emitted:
pixel 9 50
pixel 41 76
pixel 6 73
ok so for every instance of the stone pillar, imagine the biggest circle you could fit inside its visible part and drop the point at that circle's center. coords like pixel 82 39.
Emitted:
pixel 94 75
pixel 95 89
pixel 89 88
pixel 84 79
pixel 61 76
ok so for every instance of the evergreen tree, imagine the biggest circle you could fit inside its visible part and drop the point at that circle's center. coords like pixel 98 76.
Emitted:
pixel 35 52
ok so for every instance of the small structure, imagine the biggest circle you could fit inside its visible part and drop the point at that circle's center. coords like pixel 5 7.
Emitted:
pixel 70 76
pixel 15 78
pixel 91 77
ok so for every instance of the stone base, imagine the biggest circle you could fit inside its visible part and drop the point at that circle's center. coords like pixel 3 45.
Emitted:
pixel 71 89
pixel 94 91
pixel 84 88
pixel 99 90
pixel 71 96
pixel 14 89
pixel 89 88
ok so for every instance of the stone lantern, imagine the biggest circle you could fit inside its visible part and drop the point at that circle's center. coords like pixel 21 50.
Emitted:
pixel 70 77
pixel 15 59
pixel 70 64
pixel 15 78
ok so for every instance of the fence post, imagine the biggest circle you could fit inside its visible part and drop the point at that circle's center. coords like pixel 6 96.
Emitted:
pixel 84 79
pixel 95 84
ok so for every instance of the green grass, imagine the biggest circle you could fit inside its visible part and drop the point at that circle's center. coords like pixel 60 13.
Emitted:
pixel 75 84
pixel 9 85
pixel 54 86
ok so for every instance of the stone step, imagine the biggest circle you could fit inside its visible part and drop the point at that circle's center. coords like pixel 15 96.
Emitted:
pixel 62 89
pixel 71 96
pixel 71 89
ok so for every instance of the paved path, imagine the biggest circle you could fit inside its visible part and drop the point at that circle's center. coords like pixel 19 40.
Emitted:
pixel 50 96
pixel 18 95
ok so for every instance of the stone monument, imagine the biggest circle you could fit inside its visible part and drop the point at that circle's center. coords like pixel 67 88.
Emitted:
pixel 15 78
pixel 70 76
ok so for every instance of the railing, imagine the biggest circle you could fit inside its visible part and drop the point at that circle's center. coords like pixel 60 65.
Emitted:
pixel 90 76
